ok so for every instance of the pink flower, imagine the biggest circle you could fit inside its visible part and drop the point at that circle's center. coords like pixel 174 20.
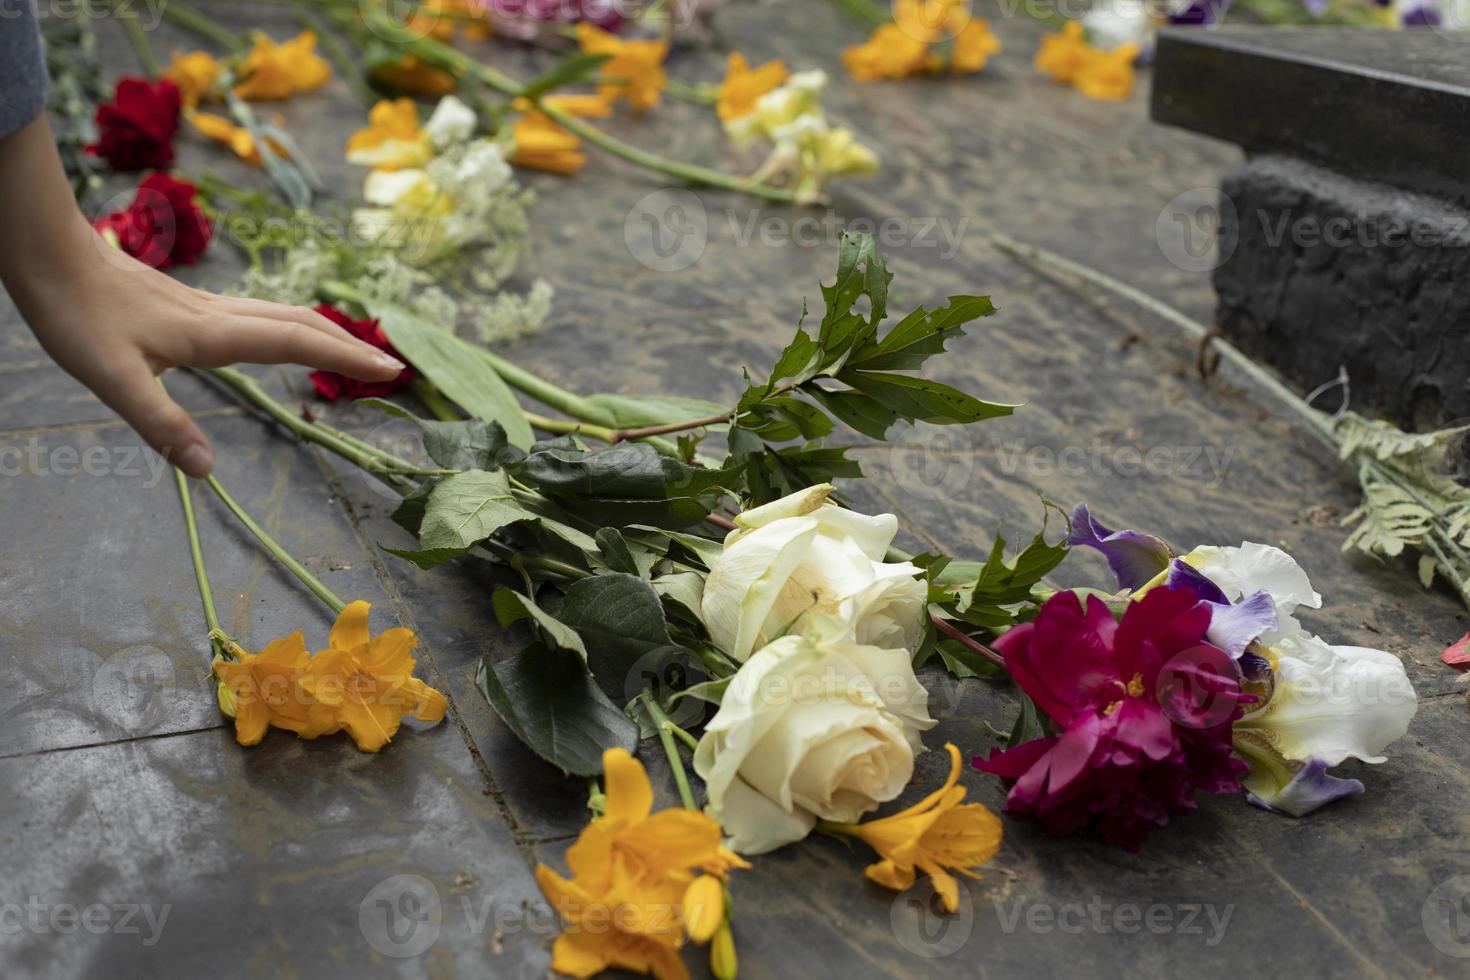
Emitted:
pixel 1142 709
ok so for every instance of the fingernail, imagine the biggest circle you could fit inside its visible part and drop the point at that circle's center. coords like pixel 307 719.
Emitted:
pixel 196 461
pixel 387 361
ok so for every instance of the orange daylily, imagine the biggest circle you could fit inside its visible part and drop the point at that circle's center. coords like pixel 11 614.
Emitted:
pixel 271 71
pixel 930 20
pixel 973 46
pixel 1061 55
pixel 889 53
pixel 195 74
pixel 237 138
pixel 367 681
pixel 392 138
pixel 541 144
pixel 637 66
pixel 1107 75
pixel 743 85
pixel 935 835
pixel 260 690
pixel 413 75
pixel 634 893
pixel 466 16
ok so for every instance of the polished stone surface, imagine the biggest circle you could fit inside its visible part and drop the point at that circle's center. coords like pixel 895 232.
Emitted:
pixel 123 790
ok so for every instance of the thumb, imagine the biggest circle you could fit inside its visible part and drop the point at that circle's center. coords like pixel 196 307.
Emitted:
pixel 135 394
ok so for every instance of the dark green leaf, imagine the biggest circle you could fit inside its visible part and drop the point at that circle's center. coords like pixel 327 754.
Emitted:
pixel 547 698
pixel 920 335
pixel 922 400
pixel 621 621
pixel 469 444
pixel 427 558
pixel 511 607
pixel 1028 724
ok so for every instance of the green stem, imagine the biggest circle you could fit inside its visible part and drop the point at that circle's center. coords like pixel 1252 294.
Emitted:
pixel 223 645
pixel 683 736
pixel 865 12
pixel 134 30
pixel 439 406
pixel 440 53
pixel 666 736
pixel 281 554
pixel 699 93
pixel 205 26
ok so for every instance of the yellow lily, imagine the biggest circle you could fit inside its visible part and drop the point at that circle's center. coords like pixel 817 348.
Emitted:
pixel 635 894
pixel 541 144
pixel 263 689
pixel 637 66
pixel 1107 75
pixel 1061 55
pixel 973 46
pixel 367 681
pixel 935 835
pixel 271 71
pixel 392 138
pixel 195 74
pixel 889 53
pixel 743 85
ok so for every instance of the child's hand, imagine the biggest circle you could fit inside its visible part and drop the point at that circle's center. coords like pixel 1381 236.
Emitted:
pixel 114 323
pixel 117 323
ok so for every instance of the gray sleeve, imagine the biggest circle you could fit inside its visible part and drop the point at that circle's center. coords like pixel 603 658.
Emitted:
pixel 22 66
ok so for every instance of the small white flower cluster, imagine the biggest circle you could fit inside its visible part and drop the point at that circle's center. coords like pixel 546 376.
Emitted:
pixel 805 149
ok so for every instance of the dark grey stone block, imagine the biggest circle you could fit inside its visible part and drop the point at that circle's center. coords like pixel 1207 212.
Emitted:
pixel 1319 272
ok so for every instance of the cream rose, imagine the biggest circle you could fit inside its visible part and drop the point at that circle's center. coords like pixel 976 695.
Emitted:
pixel 803 555
pixel 810 728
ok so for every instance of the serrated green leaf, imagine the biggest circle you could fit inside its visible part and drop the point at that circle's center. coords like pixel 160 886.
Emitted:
pixel 620 619
pixel 921 335
pixel 923 400
pixel 469 444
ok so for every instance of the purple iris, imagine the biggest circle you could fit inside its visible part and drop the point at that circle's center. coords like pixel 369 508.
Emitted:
pixel 1312 786
pixel 1135 558
pixel 1200 13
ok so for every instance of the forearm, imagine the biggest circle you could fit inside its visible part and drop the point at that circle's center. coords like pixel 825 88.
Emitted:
pixel 44 239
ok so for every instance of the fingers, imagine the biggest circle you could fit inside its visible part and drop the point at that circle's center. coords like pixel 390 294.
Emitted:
pixel 362 360
pixel 297 340
pixel 134 393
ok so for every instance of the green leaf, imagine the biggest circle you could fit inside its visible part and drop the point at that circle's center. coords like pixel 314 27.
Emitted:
pixel 548 699
pixel 469 444
pixel 684 590
pixel 570 70
pixel 410 513
pixel 427 558
pixel 456 369
pixel 1000 582
pixel 865 414
pixel 922 400
pixel 921 335
pixel 630 483
pixel 1028 724
pixel 511 607
pixel 620 556
pixel 621 621
pixel 467 508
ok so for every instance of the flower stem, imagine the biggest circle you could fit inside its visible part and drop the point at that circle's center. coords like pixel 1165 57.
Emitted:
pixel 666 736
pixel 658 430
pixel 146 57
pixel 223 645
pixel 865 12
pixel 203 25
pixel 281 554
pixel 959 636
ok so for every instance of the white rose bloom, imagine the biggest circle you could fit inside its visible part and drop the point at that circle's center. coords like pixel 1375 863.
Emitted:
pixel 451 122
pixel 810 728
pixel 802 555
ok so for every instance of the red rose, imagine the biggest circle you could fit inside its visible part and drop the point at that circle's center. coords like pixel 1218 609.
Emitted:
pixel 163 226
pixel 332 386
pixel 138 125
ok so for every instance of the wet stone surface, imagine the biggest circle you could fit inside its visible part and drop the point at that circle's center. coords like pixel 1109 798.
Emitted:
pixel 124 793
